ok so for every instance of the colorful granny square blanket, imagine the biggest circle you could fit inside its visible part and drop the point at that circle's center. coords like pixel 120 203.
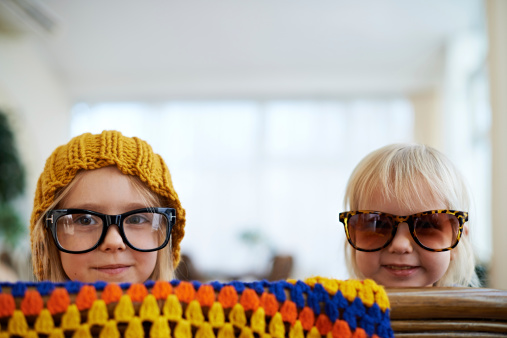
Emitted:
pixel 313 308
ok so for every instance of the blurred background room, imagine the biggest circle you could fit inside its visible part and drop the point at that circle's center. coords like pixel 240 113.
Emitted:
pixel 261 110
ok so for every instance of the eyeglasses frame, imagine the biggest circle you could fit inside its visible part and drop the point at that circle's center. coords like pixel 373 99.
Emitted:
pixel 462 217
pixel 52 217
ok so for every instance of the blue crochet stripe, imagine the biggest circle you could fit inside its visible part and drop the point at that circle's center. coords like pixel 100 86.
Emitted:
pixel 336 306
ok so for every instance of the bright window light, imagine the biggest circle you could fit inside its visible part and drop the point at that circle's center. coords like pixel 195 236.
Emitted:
pixel 259 178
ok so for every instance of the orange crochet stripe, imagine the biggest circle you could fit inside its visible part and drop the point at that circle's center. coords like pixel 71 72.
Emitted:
pixel 137 292
pixel 289 312
pixel 7 305
pixel 185 292
pixel 206 295
pixel 32 304
pixel 295 309
pixel 228 296
pixel 269 303
pixel 249 300
pixel 86 297
pixel 59 301
pixel 307 318
pixel 112 293
pixel 162 289
pixel 323 324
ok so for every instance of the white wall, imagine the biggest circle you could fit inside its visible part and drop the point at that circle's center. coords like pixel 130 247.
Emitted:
pixel 497 26
pixel 37 107
pixel 455 118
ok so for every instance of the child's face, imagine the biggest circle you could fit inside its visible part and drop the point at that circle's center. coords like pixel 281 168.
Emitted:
pixel 403 262
pixel 107 191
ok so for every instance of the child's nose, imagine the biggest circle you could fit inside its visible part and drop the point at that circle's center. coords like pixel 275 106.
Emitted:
pixel 113 241
pixel 402 241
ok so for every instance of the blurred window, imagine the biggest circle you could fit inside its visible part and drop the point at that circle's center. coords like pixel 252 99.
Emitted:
pixel 259 178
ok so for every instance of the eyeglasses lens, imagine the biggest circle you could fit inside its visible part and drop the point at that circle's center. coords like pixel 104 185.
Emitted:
pixel 437 231
pixel 370 231
pixel 146 231
pixel 79 232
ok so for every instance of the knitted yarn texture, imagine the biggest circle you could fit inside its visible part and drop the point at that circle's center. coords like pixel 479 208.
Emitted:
pixel 314 308
pixel 131 155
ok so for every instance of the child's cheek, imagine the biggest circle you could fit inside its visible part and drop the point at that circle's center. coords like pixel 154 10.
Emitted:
pixel 367 263
pixel 73 265
pixel 146 263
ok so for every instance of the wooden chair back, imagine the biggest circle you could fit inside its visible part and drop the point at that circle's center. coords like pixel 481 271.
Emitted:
pixel 448 312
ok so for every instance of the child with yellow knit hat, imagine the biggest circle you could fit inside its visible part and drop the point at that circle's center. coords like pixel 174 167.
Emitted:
pixel 105 209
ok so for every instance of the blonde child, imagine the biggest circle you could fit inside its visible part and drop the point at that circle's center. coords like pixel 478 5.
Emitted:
pixel 105 209
pixel 408 224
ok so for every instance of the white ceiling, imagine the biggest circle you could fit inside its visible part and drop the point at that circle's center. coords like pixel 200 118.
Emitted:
pixel 143 50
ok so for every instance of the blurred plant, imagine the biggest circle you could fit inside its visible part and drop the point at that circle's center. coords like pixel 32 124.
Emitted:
pixel 255 238
pixel 251 236
pixel 12 185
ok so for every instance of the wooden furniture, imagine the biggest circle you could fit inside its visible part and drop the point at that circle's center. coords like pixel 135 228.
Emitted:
pixel 448 312
pixel 280 268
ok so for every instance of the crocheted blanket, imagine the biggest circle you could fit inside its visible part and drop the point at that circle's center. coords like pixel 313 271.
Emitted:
pixel 313 308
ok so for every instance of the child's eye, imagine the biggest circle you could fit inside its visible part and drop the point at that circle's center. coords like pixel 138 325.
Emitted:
pixel 382 224
pixel 85 220
pixel 425 225
pixel 382 227
pixel 137 219
pixel 378 222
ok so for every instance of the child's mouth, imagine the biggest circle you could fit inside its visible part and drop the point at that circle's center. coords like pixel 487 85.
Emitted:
pixel 112 269
pixel 397 267
pixel 401 270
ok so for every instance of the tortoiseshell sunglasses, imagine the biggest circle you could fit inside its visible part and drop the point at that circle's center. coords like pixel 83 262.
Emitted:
pixel 434 230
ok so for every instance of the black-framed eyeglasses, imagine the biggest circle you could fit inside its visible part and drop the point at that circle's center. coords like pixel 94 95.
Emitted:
pixel 80 231
pixel 434 230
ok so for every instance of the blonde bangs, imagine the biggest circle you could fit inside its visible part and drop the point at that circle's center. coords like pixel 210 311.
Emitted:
pixel 401 172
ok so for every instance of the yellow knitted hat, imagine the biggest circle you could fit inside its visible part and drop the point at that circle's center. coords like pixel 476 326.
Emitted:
pixel 131 155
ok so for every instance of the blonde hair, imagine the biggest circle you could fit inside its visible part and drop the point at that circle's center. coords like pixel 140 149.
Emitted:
pixel 53 269
pixel 398 171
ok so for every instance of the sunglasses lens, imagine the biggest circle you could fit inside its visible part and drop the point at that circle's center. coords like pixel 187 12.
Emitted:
pixel 437 231
pixel 369 231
